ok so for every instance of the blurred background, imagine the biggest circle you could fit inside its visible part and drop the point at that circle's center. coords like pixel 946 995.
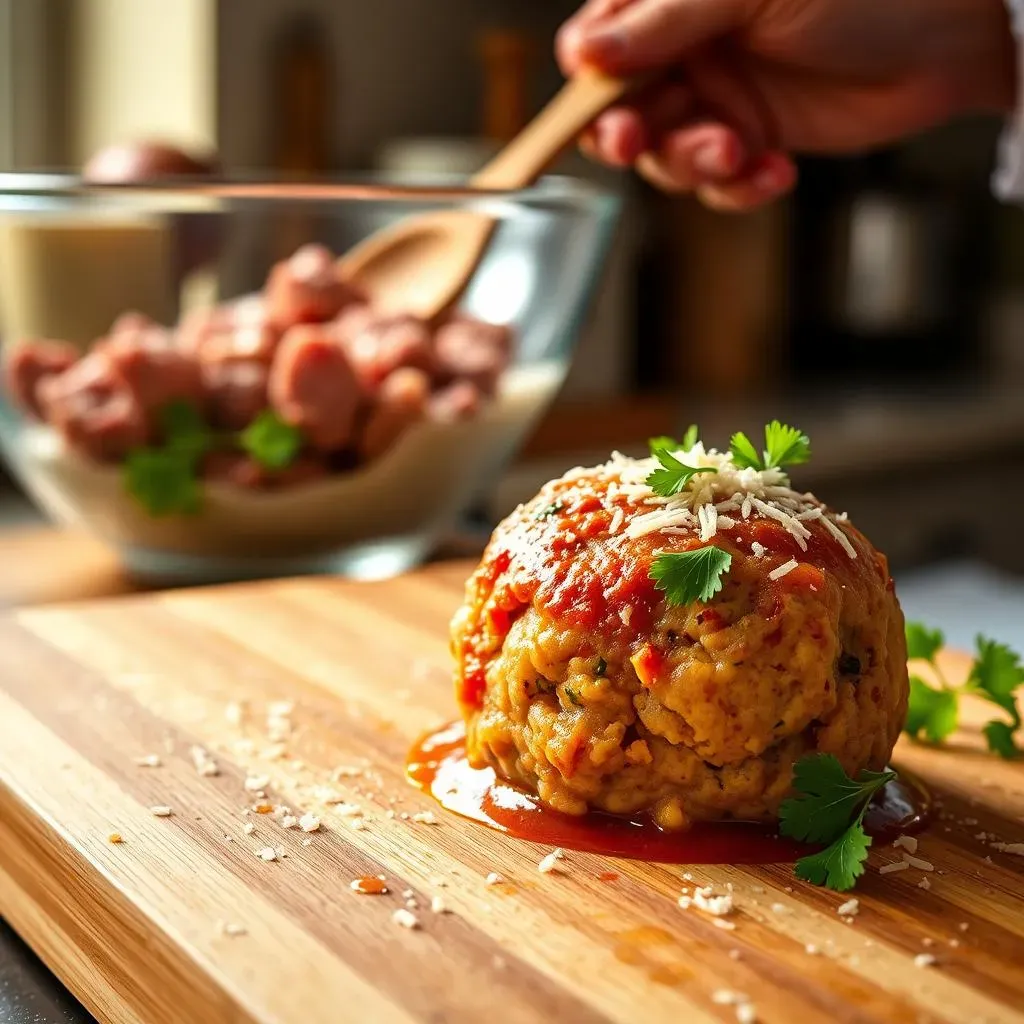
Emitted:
pixel 881 308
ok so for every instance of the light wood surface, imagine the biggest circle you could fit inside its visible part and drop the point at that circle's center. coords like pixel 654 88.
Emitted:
pixel 135 928
pixel 41 565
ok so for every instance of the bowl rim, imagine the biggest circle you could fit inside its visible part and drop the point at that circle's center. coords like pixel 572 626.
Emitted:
pixel 353 187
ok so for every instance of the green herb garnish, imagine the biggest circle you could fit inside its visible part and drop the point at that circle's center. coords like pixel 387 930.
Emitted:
pixel 548 511
pixel 829 808
pixel 165 479
pixel 600 668
pixel 162 481
pixel 573 696
pixel 270 441
pixel 673 475
pixel 996 675
pixel 691 575
pixel 783 446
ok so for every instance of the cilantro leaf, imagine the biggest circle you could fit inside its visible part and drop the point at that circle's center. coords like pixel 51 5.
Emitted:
pixel 785 446
pixel 184 430
pixel 840 865
pixel 996 675
pixel 933 712
pixel 999 736
pixel 663 444
pixel 163 481
pixel 673 475
pixel 827 798
pixel 744 454
pixel 923 642
pixel 270 441
pixel 691 437
pixel 691 575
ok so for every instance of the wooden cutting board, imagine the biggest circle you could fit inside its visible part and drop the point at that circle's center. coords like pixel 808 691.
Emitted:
pixel 140 930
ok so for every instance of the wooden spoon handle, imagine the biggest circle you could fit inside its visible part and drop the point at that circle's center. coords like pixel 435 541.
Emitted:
pixel 552 131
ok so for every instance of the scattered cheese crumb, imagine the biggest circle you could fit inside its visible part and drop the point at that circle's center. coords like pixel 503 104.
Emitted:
pixel 494 879
pixel 758 549
pixel 726 997
pixel 549 863
pixel 405 918
pixel 909 843
pixel 289 821
pixel 268 853
pixel 438 905
pixel 348 810
pixel 425 818
pixel 916 862
pixel 963 926
pixel 924 884
pixel 811 950
pixel 248 828
pixel 684 902
pixel 357 824
pixel 115 838
pixel 896 865
pixel 149 761
pixel 230 929
pixel 257 783
pixel 309 823
pixel 720 922
pixel 161 811
pixel 924 960
pixel 204 764
pixel 233 713
pixel 718 906
pixel 307 842
pixel 1014 848
pixel 779 908
pixel 849 909
pixel 746 1014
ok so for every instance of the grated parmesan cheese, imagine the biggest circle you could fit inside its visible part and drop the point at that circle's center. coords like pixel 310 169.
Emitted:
pixel 706 495
pixel 550 862
pixel 783 570
pixel 896 865
pixel 1014 848
pixel 908 843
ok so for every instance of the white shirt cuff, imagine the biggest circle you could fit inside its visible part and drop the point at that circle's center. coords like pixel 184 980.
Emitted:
pixel 1008 180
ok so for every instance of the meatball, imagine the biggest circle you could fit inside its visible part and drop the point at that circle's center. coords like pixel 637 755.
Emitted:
pixel 314 387
pixel 32 362
pixel 307 289
pixel 582 681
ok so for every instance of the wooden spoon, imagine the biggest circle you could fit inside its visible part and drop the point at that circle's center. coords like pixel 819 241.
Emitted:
pixel 422 264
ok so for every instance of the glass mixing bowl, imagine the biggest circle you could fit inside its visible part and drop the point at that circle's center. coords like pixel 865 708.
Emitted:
pixel 110 446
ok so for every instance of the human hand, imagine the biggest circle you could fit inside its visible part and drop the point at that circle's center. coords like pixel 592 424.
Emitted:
pixel 751 82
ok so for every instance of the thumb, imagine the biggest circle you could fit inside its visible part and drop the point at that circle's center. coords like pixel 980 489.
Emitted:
pixel 649 33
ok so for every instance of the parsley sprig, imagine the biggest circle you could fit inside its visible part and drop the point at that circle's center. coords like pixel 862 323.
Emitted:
pixel 164 479
pixel 673 475
pixel 995 676
pixel 689 576
pixel 783 446
pixel 829 807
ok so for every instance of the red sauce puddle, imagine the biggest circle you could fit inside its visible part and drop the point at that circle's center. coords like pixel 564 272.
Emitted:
pixel 438 766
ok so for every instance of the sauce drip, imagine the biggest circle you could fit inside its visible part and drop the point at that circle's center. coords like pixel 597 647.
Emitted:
pixel 438 765
pixel 369 886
